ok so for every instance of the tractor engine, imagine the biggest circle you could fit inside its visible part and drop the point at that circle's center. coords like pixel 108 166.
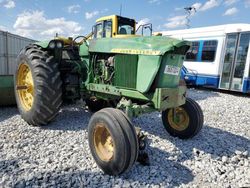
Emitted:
pixel 115 69
pixel 104 70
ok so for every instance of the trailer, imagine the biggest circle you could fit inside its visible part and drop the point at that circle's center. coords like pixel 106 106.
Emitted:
pixel 10 46
pixel 218 58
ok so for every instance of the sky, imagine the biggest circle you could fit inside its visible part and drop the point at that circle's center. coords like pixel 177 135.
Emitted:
pixel 42 19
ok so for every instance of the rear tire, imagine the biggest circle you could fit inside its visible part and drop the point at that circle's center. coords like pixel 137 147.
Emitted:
pixel 188 122
pixel 112 141
pixel 38 92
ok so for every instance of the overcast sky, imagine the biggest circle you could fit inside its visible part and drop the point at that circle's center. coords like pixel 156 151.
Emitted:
pixel 41 19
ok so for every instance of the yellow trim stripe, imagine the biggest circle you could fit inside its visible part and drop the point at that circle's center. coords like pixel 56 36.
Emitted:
pixel 133 51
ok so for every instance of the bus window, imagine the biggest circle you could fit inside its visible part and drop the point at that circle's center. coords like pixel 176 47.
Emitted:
pixel 242 55
pixel 193 52
pixel 107 29
pixel 249 72
pixel 209 50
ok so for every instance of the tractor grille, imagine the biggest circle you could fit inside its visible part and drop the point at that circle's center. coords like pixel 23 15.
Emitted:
pixel 126 70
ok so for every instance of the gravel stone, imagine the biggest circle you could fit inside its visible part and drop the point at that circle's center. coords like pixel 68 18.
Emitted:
pixel 58 155
pixel 245 153
pixel 224 159
pixel 237 152
pixel 235 159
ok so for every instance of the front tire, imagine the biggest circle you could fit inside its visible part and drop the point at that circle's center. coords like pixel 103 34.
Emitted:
pixel 38 86
pixel 185 121
pixel 113 141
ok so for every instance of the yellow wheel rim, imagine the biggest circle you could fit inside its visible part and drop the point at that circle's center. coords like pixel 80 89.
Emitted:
pixel 178 120
pixel 25 86
pixel 103 142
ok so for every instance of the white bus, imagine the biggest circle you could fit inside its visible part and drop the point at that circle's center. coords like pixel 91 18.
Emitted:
pixel 219 56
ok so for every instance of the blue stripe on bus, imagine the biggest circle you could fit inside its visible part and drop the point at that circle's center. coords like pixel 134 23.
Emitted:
pixel 184 71
pixel 246 85
pixel 211 81
pixel 199 56
pixel 202 80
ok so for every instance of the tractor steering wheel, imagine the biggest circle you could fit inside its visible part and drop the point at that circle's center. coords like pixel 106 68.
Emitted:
pixel 81 36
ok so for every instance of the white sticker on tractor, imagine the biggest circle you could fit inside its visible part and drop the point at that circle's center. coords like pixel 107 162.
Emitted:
pixel 173 70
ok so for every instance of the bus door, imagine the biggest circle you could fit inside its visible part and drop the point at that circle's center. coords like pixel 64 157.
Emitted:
pixel 234 64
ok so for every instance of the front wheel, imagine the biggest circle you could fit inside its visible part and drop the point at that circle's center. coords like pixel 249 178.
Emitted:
pixel 113 141
pixel 184 121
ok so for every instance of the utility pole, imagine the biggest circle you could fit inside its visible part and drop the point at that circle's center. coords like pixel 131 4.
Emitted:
pixel 189 11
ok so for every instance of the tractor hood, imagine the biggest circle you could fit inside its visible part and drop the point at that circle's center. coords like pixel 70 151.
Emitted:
pixel 153 45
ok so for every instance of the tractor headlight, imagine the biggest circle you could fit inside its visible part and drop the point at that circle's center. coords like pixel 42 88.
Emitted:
pixel 59 44
pixel 52 44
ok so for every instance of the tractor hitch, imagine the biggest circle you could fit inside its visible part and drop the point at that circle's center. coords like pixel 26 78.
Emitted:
pixel 143 157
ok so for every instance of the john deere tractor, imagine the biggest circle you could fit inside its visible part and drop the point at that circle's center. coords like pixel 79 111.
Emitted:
pixel 119 75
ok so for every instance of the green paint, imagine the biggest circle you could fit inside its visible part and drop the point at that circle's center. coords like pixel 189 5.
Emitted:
pixel 134 110
pixel 170 80
pixel 6 81
pixel 141 44
pixel 165 98
pixel 161 98
pixel 135 94
pixel 148 67
pixel 7 90
pixel 102 88
pixel 43 44
pixel 126 70
pixel 148 64
pixel 84 50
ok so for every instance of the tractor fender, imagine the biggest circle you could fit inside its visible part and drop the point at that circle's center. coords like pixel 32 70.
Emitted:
pixel 43 44
pixel 83 48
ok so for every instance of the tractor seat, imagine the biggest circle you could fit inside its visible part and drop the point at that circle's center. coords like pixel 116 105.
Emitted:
pixel 123 31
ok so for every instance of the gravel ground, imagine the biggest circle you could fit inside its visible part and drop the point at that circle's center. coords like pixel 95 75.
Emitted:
pixel 58 155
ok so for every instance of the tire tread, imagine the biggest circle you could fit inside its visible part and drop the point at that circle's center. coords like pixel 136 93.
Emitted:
pixel 47 83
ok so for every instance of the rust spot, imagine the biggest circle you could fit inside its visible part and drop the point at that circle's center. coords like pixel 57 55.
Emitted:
pixel 182 83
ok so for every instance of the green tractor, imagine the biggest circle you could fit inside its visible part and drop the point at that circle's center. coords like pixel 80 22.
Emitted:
pixel 119 75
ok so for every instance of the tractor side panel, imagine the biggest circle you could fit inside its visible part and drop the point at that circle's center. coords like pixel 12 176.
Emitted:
pixel 84 50
pixel 136 71
pixel 148 67
pixel 170 70
pixel 126 70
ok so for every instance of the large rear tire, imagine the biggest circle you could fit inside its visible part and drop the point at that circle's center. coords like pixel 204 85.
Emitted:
pixel 113 141
pixel 38 86
pixel 185 121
